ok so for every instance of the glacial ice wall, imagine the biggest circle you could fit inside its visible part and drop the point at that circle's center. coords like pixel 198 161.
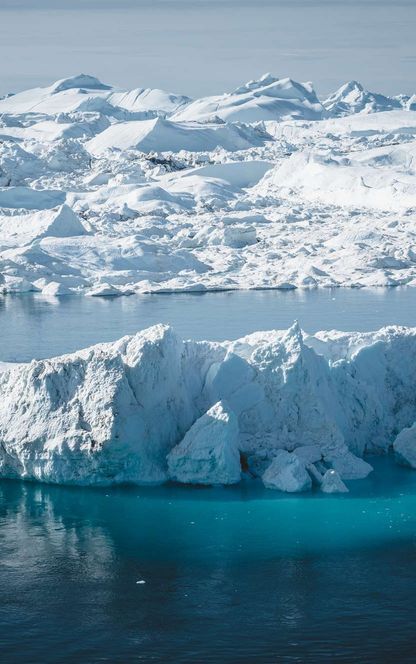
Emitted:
pixel 153 407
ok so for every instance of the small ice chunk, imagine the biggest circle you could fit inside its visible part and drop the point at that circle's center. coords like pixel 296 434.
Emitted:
pixel 208 454
pixel 55 288
pixel 405 447
pixel 349 466
pixel 287 473
pixel 104 290
pixel 285 285
pixel 332 482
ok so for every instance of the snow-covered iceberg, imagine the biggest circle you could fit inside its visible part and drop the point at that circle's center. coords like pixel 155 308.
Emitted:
pixel 161 135
pixel 281 405
pixel 18 230
pixel 269 98
pixel 352 97
pixel 86 93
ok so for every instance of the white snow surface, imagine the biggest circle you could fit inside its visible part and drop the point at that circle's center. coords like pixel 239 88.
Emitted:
pixel 286 405
pixel 354 98
pixel 133 191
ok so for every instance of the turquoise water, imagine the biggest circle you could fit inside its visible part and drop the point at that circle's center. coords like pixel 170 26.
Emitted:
pixel 230 575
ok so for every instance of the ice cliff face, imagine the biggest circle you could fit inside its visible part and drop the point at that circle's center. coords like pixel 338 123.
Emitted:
pixel 152 407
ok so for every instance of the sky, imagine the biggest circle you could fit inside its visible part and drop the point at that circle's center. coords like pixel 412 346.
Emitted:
pixel 199 47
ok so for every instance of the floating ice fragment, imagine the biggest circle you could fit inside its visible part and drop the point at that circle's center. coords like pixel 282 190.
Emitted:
pixel 404 447
pixel 208 454
pixel 332 483
pixel 104 290
pixel 287 473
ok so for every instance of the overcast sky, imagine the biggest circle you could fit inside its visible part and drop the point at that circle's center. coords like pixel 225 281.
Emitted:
pixel 206 46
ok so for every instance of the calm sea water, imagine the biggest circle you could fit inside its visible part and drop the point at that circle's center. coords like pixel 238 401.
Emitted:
pixel 230 575
pixel 34 326
pixel 239 575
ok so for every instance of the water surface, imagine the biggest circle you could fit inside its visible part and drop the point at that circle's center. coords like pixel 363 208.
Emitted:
pixel 231 575
pixel 35 326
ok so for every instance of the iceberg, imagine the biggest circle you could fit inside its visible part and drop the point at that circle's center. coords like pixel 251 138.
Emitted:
pixel 288 407
pixel 18 230
pixel 160 135
pixel 83 92
pixel 268 98
pixel 352 97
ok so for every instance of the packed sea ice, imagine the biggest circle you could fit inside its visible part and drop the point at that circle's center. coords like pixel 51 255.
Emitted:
pixel 293 409
pixel 108 192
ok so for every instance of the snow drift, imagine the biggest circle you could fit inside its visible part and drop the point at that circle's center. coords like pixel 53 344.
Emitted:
pixel 281 405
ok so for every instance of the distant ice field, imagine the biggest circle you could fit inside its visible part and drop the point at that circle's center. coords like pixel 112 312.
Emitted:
pixel 106 191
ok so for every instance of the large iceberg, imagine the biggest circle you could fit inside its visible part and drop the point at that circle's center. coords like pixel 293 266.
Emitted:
pixel 269 98
pixel 282 405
